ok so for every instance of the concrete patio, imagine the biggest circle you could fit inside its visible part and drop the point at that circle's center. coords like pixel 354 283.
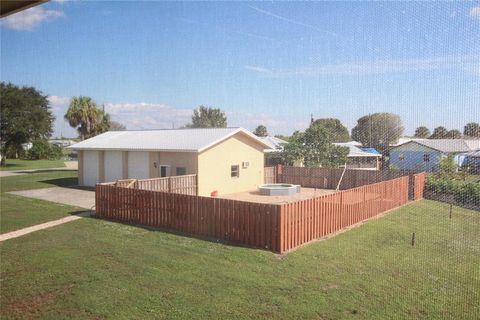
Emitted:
pixel 255 196
pixel 69 196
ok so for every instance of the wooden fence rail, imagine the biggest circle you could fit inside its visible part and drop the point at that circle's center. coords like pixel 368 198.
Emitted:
pixel 186 184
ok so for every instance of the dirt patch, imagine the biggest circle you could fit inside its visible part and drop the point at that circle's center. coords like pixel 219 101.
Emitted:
pixel 28 307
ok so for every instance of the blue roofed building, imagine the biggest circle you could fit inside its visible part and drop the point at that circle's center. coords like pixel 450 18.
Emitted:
pixel 361 158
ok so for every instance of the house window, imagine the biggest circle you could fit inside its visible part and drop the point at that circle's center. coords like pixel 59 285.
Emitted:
pixel 235 171
pixel 426 157
pixel 180 171
pixel 401 157
pixel 164 171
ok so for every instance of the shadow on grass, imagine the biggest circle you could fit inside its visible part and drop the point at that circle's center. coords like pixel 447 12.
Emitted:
pixel 86 213
pixel 68 182
pixel 182 234
pixel 33 171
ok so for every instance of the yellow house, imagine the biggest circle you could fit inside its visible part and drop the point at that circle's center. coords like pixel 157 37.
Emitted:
pixel 226 160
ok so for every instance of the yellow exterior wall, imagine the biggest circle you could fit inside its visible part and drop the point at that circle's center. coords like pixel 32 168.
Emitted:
pixel 214 166
pixel 189 160
pixel 153 159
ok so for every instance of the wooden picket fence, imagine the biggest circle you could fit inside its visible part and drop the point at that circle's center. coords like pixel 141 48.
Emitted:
pixel 307 220
pixel 251 224
pixel 418 185
pixel 328 178
pixel 276 227
pixel 186 184
pixel 271 174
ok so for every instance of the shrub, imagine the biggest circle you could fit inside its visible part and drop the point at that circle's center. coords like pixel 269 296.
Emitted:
pixel 448 167
pixel 468 193
pixel 41 149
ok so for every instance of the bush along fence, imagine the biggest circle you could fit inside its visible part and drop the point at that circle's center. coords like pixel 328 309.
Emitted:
pixel 453 191
pixel 275 227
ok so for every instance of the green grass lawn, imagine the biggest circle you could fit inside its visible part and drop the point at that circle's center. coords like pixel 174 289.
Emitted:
pixel 17 164
pixel 95 269
pixel 19 212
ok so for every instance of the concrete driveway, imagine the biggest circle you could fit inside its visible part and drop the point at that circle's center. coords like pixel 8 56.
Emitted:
pixel 69 196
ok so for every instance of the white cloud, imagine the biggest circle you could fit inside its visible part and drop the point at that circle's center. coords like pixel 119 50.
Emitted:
pixel 475 12
pixel 143 115
pixel 29 19
pixel 57 102
pixel 366 68
pixel 275 124
pixel 258 69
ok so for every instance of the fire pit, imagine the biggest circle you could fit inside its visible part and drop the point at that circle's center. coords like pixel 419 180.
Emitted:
pixel 279 189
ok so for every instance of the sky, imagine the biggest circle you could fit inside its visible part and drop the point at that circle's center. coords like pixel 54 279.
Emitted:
pixel 272 63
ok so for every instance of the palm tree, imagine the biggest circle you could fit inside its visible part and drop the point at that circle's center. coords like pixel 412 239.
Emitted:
pixel 84 115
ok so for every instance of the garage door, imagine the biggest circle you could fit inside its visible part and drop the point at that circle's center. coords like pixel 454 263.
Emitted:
pixel 138 165
pixel 90 168
pixel 113 166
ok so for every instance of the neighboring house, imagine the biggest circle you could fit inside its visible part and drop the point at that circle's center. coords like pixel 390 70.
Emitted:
pixel 426 154
pixel 27 146
pixel 61 143
pixel 226 160
pixel 361 158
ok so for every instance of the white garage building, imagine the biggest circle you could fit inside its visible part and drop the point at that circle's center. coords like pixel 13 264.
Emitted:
pixel 224 159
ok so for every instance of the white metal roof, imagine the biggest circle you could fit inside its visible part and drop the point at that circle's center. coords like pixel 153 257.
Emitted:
pixel 174 140
pixel 448 145
pixel 355 151
pixel 276 144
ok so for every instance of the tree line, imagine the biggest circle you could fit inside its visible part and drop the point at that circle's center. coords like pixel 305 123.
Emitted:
pixel 26 116
pixel 470 130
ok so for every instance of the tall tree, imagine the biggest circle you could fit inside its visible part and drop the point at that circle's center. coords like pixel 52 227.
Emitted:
pixel 294 149
pixel 261 131
pixel 25 115
pixel 439 133
pixel 207 117
pixel 315 148
pixel 472 130
pixel 338 131
pixel 378 130
pixel 422 133
pixel 84 115
pixel 454 134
